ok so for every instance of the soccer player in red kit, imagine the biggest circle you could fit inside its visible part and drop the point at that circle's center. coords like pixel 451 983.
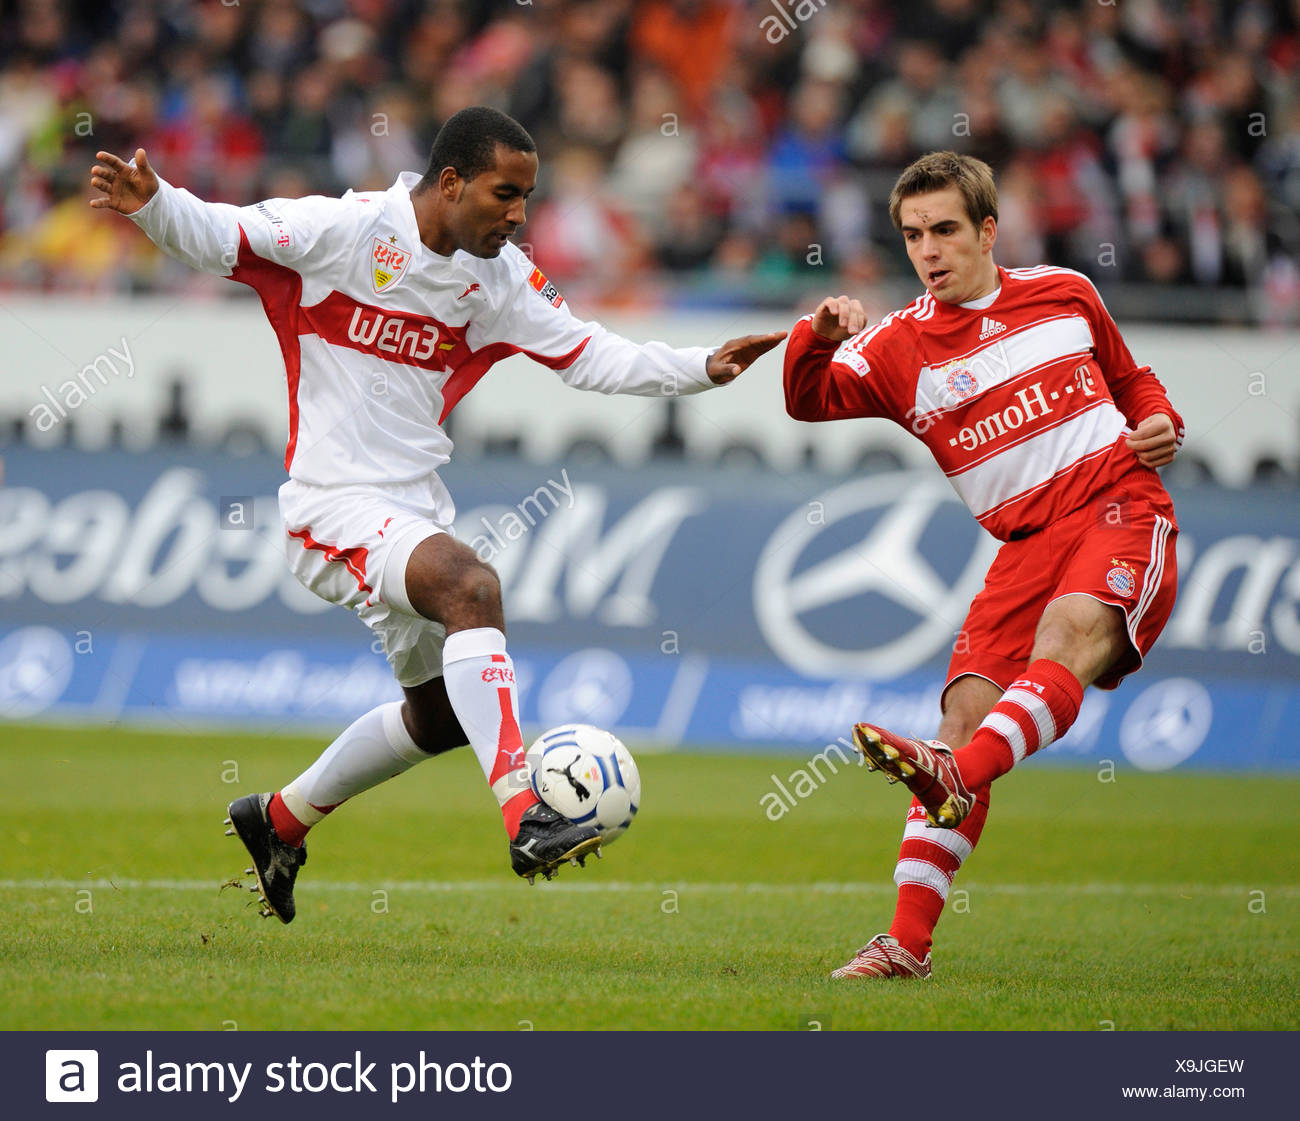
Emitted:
pixel 1019 383
pixel 389 306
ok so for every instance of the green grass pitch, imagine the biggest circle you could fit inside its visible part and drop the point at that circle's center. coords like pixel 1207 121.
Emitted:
pixel 1149 902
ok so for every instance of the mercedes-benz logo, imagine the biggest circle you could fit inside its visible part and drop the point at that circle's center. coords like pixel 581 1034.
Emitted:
pixel 887 561
pixel 1166 723
pixel 592 686
pixel 35 668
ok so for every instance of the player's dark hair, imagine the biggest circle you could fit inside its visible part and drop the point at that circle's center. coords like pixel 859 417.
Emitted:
pixel 468 141
pixel 936 170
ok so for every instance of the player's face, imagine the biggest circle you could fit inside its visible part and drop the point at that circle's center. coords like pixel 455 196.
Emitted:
pixel 491 205
pixel 953 257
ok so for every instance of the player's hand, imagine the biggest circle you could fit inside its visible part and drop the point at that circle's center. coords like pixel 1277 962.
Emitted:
pixel 124 188
pixel 1154 441
pixel 736 355
pixel 838 318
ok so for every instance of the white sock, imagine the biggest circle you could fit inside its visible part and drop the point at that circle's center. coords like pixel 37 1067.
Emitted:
pixel 373 749
pixel 480 680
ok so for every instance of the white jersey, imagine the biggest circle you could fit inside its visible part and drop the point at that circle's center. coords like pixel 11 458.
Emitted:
pixel 381 337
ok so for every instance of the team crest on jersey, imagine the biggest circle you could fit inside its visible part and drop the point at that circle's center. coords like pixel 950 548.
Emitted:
pixel 388 262
pixel 961 381
pixel 1121 579
pixel 548 291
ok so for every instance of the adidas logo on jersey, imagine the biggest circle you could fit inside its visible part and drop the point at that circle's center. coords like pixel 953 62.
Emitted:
pixel 991 327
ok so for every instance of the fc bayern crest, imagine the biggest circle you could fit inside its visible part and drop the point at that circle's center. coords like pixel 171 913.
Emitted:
pixel 1120 581
pixel 962 383
pixel 388 262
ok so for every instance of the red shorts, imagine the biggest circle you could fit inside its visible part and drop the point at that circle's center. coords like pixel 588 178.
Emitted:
pixel 1119 549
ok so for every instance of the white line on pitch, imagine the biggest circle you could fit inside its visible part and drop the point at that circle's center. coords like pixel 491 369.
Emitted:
pixel 705 888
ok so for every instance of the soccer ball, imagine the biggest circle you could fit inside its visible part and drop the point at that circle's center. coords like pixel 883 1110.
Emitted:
pixel 587 775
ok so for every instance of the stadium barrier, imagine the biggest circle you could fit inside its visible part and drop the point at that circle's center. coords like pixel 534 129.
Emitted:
pixel 103 372
pixel 735 611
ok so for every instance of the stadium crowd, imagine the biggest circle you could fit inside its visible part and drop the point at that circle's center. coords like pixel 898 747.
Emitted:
pixel 723 151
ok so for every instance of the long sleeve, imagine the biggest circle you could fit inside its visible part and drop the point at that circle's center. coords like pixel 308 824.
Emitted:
pixel 1138 393
pixel 821 386
pixel 213 236
pixel 536 321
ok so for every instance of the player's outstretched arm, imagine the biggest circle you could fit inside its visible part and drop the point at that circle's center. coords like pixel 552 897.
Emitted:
pixel 818 385
pixel 122 187
pixel 838 318
pixel 735 356
pixel 208 236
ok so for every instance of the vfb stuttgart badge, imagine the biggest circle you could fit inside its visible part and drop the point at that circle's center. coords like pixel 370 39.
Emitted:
pixel 388 262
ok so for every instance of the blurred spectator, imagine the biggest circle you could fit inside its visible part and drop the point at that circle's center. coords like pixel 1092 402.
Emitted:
pixel 1153 142
pixel 1163 261
pixel 282 39
pixel 1075 207
pixel 922 90
pixel 588 110
pixel 1193 199
pixel 1248 246
pixel 1228 90
pixel 688 234
pixel 1142 139
pixel 1029 91
pixel 796 255
pixel 950 25
pixel 1279 161
pixel 28 101
pixel 580 235
pixel 828 54
pixel 733 150
pixel 1071 58
pixel 691 39
pixel 658 155
pixel 67 247
pixel 1020 222
pixel 306 133
pixel 211 147
pixel 806 154
pixel 380 143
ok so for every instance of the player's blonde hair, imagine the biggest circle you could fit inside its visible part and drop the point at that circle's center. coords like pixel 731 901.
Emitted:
pixel 936 170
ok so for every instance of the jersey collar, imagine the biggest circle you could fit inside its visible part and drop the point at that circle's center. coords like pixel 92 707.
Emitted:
pixel 403 211
pixel 986 302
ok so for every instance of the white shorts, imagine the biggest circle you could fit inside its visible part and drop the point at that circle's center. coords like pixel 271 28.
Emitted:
pixel 350 545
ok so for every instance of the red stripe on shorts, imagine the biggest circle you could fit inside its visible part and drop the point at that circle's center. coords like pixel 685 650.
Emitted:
pixel 354 559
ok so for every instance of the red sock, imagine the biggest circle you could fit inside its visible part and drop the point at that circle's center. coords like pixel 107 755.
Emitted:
pixel 514 809
pixel 915 917
pixel 1038 709
pixel 287 827
pixel 509 765
pixel 927 861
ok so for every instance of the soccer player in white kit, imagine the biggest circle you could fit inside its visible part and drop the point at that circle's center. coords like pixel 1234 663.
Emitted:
pixel 389 306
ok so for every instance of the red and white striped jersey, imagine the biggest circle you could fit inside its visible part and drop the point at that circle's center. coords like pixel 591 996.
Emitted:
pixel 1025 401
pixel 381 337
